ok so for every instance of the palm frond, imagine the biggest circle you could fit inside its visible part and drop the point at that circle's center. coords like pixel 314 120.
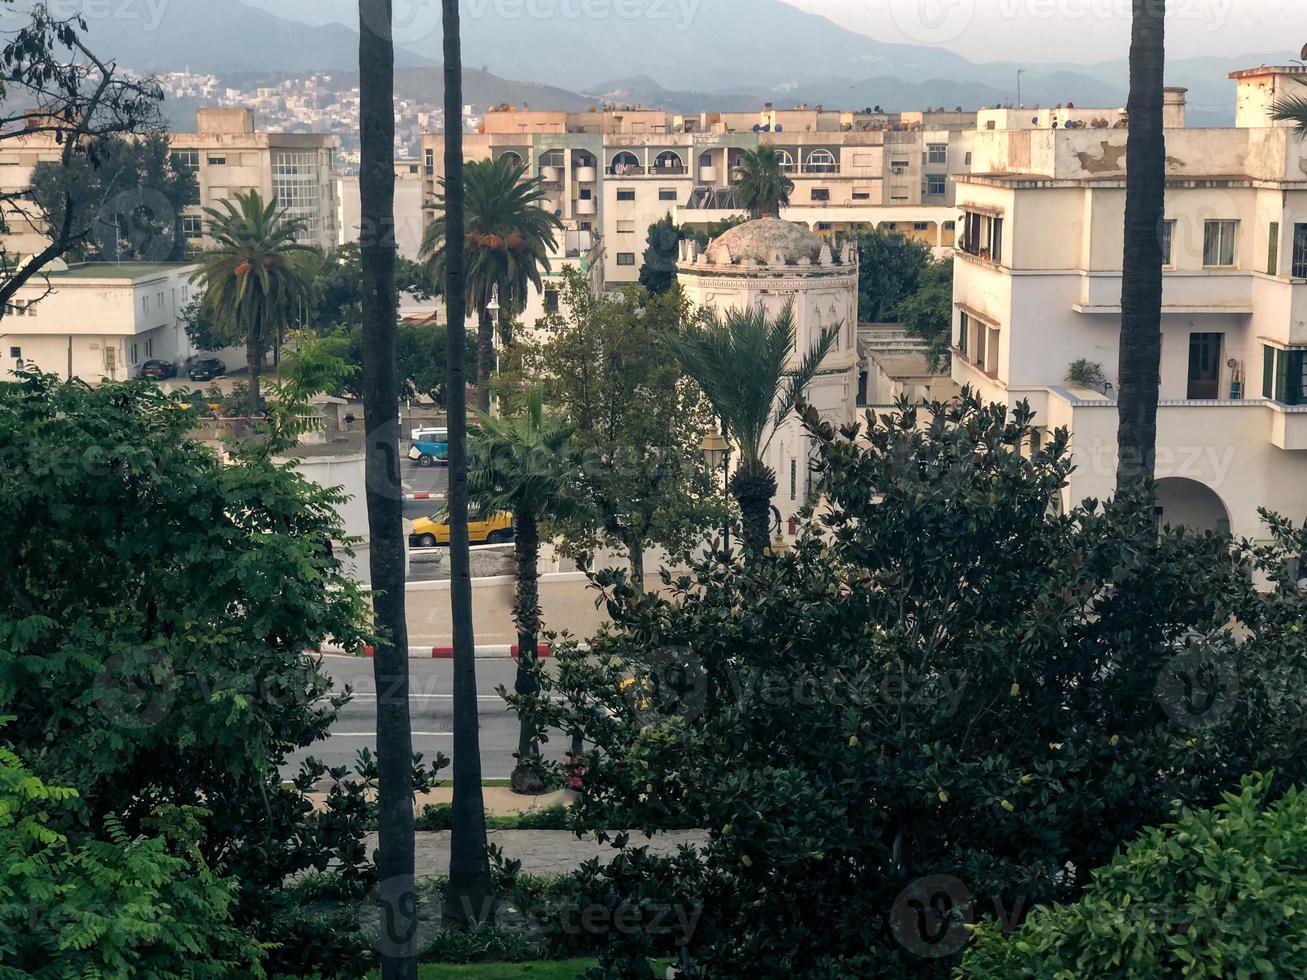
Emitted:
pixel 1292 109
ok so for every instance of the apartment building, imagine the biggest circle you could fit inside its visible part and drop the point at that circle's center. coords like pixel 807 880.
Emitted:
pixel 228 157
pixel 617 172
pixel 101 321
pixel 1038 289
pixel 409 202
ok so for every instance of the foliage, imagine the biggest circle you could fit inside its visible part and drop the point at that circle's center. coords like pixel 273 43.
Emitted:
pixel 948 676
pixel 763 187
pixel 1217 893
pixel 1292 109
pixel 253 277
pixel 928 311
pixel 55 85
pixel 890 272
pixel 143 904
pixel 741 360
pixel 420 359
pixel 335 287
pixel 638 422
pixel 127 200
pixel 155 609
pixel 663 246
pixel 440 816
pixel 1087 374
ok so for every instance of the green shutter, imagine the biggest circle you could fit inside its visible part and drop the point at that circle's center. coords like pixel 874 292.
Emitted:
pixel 1268 371
pixel 1273 260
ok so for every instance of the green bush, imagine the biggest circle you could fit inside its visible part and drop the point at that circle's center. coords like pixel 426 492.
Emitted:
pixel 440 816
pixel 1218 893
pixel 952 675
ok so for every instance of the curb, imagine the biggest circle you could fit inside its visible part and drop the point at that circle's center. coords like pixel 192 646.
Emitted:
pixel 408 497
pixel 487 652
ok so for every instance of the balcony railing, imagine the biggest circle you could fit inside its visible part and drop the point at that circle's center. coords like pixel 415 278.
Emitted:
pixel 625 170
pixel 821 168
pixel 674 170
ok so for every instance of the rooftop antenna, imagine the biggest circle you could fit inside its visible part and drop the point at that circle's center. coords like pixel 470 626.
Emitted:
pixel 1020 72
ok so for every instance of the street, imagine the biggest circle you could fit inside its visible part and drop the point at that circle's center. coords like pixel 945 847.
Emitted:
pixel 417 479
pixel 431 710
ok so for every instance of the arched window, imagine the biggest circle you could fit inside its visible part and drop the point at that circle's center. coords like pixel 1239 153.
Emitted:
pixel 787 161
pixel 625 164
pixel 554 158
pixel 669 162
pixel 820 162
pixel 512 156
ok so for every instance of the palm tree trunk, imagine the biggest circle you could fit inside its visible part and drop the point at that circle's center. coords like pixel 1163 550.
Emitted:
pixel 485 354
pixel 1141 282
pixel 526 616
pixel 754 486
pixel 635 549
pixel 395 839
pixel 254 364
pixel 469 891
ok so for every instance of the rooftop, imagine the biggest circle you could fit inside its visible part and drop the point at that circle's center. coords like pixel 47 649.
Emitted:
pixel 769 241
pixel 116 270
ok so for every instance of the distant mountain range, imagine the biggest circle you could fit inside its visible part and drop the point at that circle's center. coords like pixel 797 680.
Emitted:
pixel 723 54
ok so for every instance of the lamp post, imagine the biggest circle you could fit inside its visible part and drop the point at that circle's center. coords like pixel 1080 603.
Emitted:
pixel 717 454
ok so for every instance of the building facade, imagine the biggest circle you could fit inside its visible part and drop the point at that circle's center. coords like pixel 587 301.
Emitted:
pixel 618 172
pixel 101 321
pixel 770 263
pixel 1037 295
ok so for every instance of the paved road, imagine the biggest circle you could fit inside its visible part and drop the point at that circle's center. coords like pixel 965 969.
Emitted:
pixel 417 479
pixel 431 709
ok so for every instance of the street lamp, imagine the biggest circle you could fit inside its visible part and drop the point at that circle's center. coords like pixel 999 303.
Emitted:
pixel 494 302
pixel 714 450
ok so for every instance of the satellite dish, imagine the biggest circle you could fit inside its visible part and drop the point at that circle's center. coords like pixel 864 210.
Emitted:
pixel 780 128
pixel 767 128
pixel 757 128
pixel 558 213
pixel 1304 52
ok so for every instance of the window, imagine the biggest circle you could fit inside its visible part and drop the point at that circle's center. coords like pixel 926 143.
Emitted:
pixel 1218 243
pixel 136 354
pixel 192 226
pixel 1205 365
pixel 1300 251
pixel 586 226
pixel 1284 375
pixel 585 194
pixel 964 327
pixel 16 352
pixel 217 161
pixel 937 153
pixel 921 226
pixel 1273 250
pixel 188 161
pixel 149 347
pixel 1166 236
pixel 936 185
pixel 429 161
pixel 626 227
pixel 551 300
pixel 785 160
pixel 983 236
pixel 297 186
pixel 825 226
pixel 861 194
pixel 667 194
pixel 1268 371
pixel 821 194
pixel 145 303
pixel 820 162
pixel 626 258
pixel 626 194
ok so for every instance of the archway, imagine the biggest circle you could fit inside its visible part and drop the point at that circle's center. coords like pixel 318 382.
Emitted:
pixel 1187 503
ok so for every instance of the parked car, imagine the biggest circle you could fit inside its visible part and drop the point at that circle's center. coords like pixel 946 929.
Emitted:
pixel 428 532
pixel 206 369
pixel 158 370
pixel 428 432
pixel 432 449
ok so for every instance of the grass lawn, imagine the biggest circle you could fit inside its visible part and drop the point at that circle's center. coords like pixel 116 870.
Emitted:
pixel 569 970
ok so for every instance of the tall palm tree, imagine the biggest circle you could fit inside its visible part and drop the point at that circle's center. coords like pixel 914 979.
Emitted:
pixel 380 306
pixel 1293 108
pixel 1141 281
pixel 742 361
pixel 763 187
pixel 507 244
pixel 254 277
pixel 468 893
pixel 522 465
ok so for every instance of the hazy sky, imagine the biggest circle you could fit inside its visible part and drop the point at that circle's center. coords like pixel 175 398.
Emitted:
pixel 1070 30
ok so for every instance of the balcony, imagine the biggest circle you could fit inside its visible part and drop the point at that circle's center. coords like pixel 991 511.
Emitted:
pixel 625 170
pixel 821 168
pixel 674 170
pixel 708 175
pixel 586 175
pixel 551 175
pixel 587 207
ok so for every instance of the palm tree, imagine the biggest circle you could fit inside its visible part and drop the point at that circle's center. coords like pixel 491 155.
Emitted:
pixel 521 465
pixel 507 244
pixel 763 187
pixel 1141 281
pixel 1293 108
pixel 742 361
pixel 253 278
pixel 469 891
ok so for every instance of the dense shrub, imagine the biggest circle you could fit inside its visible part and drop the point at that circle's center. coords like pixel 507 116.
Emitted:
pixel 953 698
pixel 1217 893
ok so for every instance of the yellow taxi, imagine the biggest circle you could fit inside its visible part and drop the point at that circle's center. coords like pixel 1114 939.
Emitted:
pixel 430 532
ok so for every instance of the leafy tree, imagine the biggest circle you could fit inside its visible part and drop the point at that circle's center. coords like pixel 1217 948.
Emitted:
pixel 928 311
pixel 742 362
pixel 156 604
pixel 638 420
pixel 509 238
pixel 763 187
pixel 127 200
pixel 890 269
pixel 1141 281
pixel 143 904
pixel 523 465
pixel 54 84
pixel 336 291
pixel 469 869
pixel 658 271
pixel 949 676
pixel 253 278
pixel 1217 893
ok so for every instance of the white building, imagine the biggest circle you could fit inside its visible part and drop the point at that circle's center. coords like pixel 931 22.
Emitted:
pixel 100 321
pixel 1038 288
pixel 770 263
pixel 409 201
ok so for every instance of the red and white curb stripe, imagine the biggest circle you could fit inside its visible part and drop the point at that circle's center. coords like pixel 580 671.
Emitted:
pixel 447 653
pixel 425 496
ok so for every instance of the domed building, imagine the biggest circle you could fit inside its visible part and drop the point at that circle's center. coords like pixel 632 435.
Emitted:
pixel 770 262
